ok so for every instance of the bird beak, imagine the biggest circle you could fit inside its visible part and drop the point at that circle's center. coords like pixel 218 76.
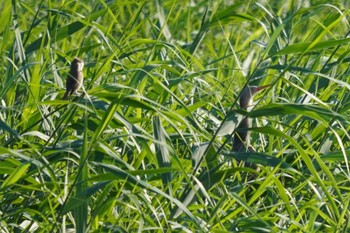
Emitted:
pixel 262 87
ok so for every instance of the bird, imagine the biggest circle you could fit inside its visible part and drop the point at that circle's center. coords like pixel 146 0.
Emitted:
pixel 241 137
pixel 235 124
pixel 75 77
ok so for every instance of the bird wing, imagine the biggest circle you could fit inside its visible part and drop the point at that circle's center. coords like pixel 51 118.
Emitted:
pixel 231 122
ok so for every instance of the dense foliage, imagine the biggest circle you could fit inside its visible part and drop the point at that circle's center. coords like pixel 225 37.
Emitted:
pixel 138 148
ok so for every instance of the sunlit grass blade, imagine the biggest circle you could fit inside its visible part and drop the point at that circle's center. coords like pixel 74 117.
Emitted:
pixel 162 151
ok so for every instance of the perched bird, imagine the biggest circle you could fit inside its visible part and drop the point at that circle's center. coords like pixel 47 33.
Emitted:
pixel 241 138
pixel 233 122
pixel 75 77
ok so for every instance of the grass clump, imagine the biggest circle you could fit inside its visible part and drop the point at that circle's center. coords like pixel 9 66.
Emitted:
pixel 139 148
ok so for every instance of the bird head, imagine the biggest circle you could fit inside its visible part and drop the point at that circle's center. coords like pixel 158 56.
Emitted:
pixel 78 64
pixel 246 96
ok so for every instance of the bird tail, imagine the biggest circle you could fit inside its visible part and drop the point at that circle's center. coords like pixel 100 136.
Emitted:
pixel 65 95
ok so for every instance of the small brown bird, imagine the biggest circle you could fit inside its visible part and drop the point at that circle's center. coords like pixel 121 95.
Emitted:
pixel 75 77
pixel 241 138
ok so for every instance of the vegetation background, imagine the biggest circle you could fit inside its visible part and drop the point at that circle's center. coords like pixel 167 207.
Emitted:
pixel 138 148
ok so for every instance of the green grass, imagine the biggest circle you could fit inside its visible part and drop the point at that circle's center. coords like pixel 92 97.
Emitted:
pixel 138 148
